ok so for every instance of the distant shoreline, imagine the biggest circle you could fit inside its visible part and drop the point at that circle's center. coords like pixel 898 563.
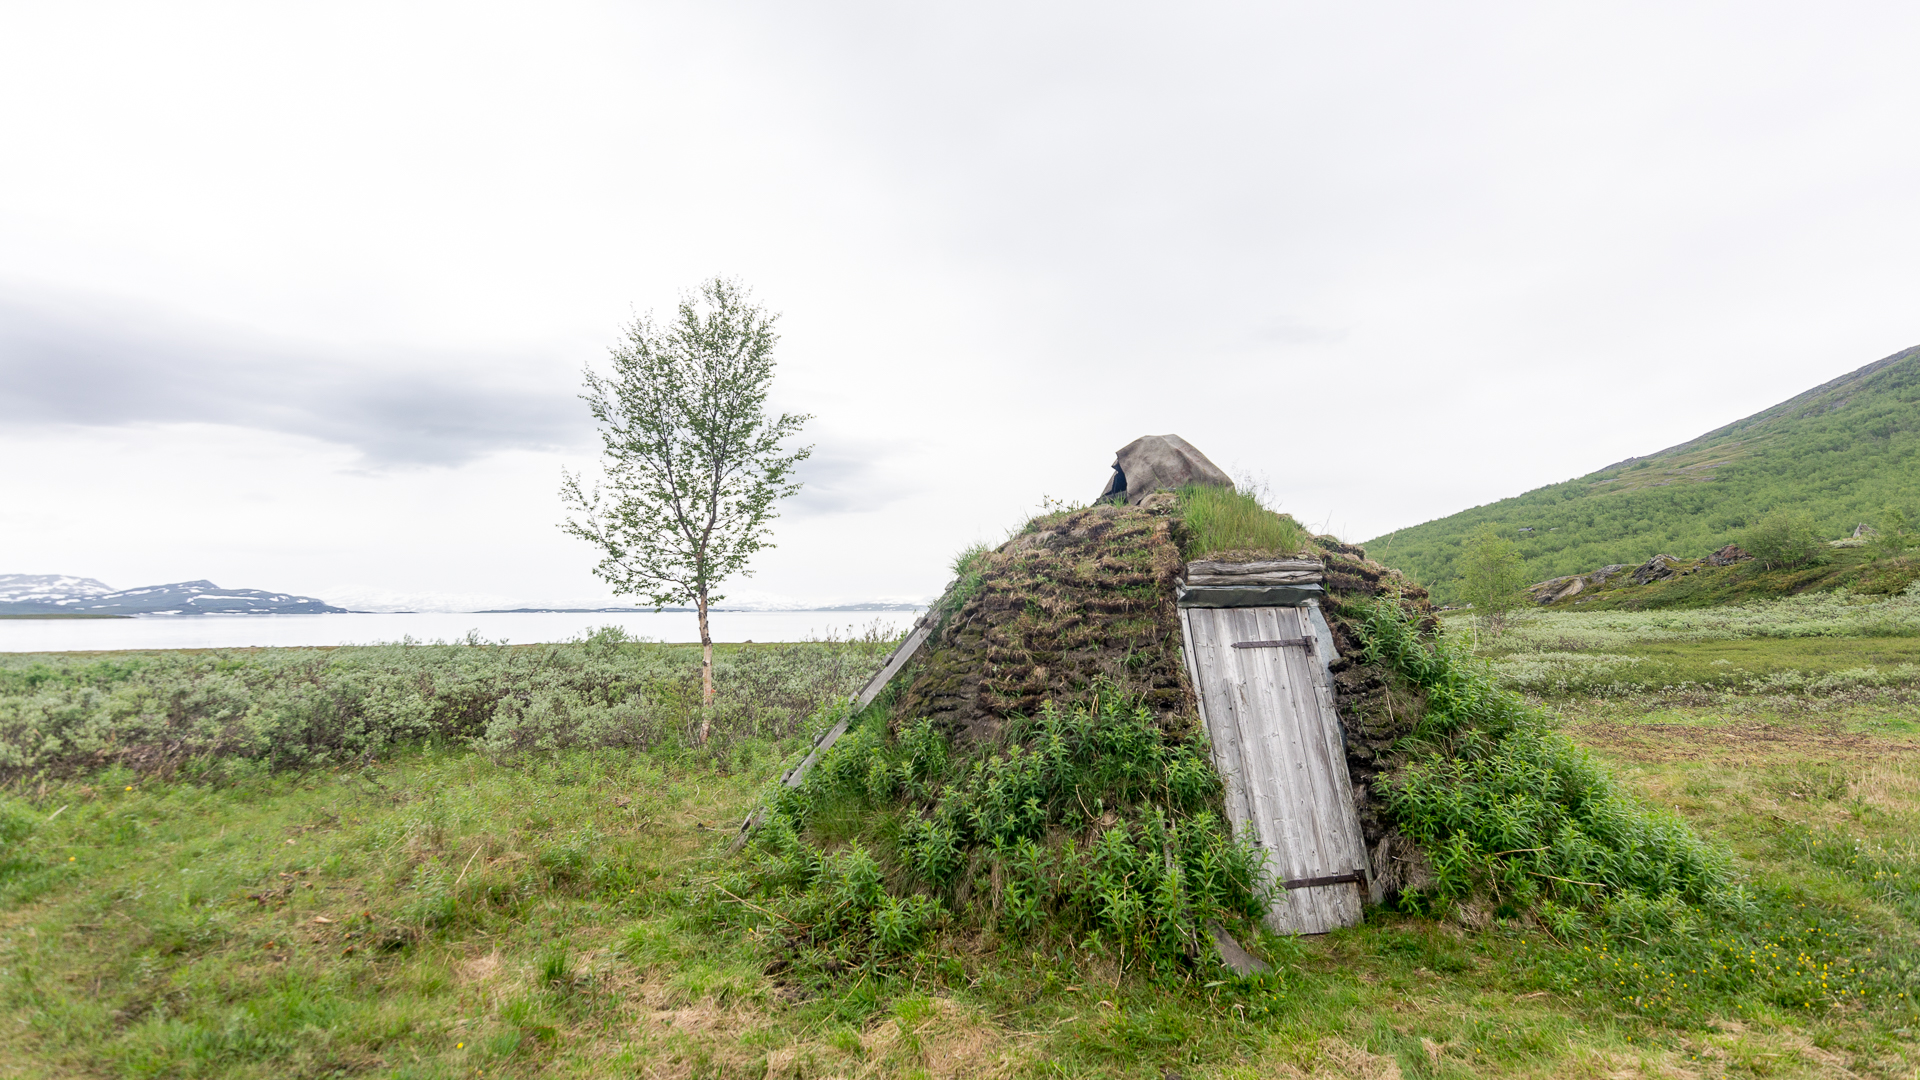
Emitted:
pixel 847 610
pixel 851 608
pixel 64 615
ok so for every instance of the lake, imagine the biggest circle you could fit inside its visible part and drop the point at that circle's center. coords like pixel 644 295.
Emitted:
pixel 516 628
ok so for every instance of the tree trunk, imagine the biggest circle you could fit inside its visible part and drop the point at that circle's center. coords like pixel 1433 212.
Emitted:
pixel 706 671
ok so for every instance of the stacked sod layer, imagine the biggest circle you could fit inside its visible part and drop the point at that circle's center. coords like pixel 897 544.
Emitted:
pixel 1074 598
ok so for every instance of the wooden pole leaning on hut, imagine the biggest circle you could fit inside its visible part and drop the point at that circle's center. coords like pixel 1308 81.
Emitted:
pixel 903 652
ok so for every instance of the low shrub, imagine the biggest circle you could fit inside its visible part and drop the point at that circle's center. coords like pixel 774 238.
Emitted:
pixel 1642 914
pixel 159 712
pixel 1782 538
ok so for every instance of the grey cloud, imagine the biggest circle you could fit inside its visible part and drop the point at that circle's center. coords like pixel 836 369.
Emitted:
pixel 67 364
pixel 844 477
pixel 1287 332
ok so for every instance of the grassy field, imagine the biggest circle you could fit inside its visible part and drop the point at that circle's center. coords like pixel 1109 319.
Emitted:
pixel 1827 644
pixel 449 912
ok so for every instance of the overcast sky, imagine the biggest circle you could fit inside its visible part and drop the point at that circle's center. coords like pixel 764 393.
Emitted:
pixel 298 297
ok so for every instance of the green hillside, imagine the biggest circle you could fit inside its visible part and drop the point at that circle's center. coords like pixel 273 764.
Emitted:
pixel 1841 451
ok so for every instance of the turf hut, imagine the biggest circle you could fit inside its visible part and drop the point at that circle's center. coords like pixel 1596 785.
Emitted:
pixel 1216 622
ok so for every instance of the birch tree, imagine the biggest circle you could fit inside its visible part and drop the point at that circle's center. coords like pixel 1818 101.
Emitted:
pixel 692 463
pixel 1492 573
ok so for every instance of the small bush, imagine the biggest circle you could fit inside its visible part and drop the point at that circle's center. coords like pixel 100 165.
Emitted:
pixel 1225 519
pixel 1894 534
pixel 1782 538
pixel 1492 573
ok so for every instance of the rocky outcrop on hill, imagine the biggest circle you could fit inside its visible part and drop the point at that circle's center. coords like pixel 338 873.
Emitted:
pixel 1727 556
pixel 1584 588
pixel 1554 590
pixel 1658 568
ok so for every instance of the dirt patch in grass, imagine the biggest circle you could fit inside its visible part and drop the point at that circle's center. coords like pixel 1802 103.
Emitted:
pixel 933 1037
pixel 1891 787
pixel 1337 1057
pixel 480 969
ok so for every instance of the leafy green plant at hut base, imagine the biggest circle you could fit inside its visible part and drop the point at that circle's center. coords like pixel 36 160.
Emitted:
pixel 1508 808
pixel 1088 826
pixel 1517 819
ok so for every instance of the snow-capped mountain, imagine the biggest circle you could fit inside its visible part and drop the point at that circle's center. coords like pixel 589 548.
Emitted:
pixel 29 588
pixel 90 597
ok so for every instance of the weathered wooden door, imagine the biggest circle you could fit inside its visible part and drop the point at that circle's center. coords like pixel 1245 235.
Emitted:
pixel 1268 708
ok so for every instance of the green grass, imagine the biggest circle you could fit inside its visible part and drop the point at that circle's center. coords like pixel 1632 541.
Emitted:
pixel 1223 520
pixel 1842 452
pixel 1758 664
pixel 543 921
pixel 1824 643
pixel 553 914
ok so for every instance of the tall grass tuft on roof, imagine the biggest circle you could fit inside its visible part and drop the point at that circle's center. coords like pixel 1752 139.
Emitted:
pixel 967 568
pixel 1222 519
